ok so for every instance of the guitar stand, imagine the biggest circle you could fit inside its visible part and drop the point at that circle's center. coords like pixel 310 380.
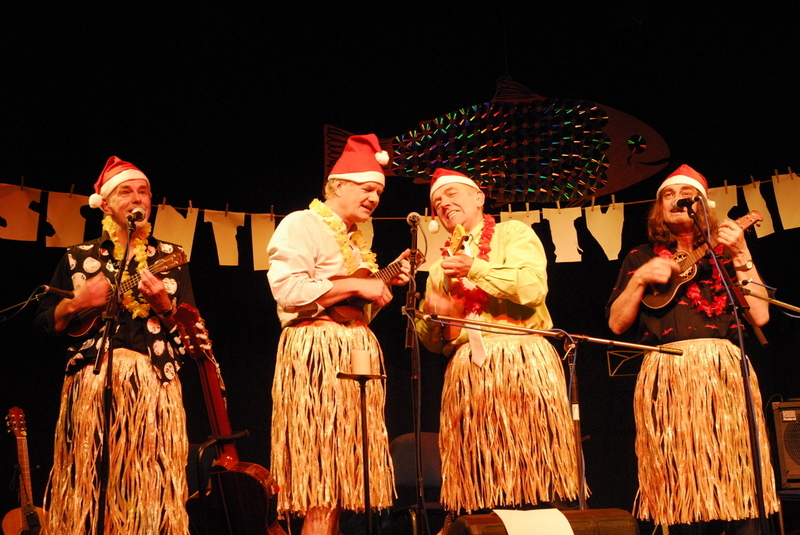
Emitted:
pixel 362 382
pixel 203 474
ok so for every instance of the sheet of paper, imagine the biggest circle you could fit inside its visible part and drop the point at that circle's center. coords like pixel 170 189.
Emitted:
pixel 536 521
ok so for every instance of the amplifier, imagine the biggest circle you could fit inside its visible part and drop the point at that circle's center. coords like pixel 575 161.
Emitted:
pixel 787 437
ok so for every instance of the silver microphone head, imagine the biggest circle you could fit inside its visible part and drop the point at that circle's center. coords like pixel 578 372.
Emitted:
pixel 137 214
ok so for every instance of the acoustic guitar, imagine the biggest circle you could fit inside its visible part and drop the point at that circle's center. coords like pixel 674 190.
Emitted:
pixel 241 497
pixel 84 320
pixel 349 309
pixel 27 519
pixel 660 295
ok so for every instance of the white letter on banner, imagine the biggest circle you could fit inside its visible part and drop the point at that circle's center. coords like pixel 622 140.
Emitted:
pixel 21 223
pixel 262 226
pixel 752 194
pixel 565 237
pixel 225 225
pixel 171 226
pixel 606 228
pixel 64 214
pixel 787 193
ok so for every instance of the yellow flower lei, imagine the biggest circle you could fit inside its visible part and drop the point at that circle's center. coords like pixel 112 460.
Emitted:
pixel 139 308
pixel 336 224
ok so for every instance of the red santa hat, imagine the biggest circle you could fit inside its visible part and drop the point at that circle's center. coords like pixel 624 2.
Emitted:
pixel 442 177
pixel 686 175
pixel 114 173
pixel 361 160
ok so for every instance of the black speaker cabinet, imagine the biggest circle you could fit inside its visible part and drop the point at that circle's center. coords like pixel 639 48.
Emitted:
pixel 787 438
pixel 586 522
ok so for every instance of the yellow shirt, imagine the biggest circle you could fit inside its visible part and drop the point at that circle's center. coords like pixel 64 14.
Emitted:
pixel 515 277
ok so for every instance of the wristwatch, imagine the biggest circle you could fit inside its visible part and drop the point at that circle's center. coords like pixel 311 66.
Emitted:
pixel 747 266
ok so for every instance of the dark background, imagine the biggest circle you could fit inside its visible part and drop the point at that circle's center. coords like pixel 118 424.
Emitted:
pixel 224 106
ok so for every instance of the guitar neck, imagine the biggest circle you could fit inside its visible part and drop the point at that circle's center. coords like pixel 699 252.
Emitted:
pixel 692 258
pixel 161 265
pixel 26 489
pixel 389 271
pixel 130 283
pixel 198 346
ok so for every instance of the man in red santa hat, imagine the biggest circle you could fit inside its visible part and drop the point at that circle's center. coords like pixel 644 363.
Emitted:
pixel 318 258
pixel 504 405
pixel 695 463
pixel 147 446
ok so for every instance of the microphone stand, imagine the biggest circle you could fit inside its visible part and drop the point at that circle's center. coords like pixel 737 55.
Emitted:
pixel 740 306
pixel 748 291
pixel 111 318
pixel 412 343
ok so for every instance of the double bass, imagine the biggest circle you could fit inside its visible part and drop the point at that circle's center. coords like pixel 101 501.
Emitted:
pixel 240 497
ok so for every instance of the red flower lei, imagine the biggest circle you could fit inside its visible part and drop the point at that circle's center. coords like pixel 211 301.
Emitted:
pixel 693 290
pixel 475 299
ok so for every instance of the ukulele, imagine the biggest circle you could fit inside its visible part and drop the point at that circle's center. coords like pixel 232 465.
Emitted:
pixel 349 309
pixel 25 520
pixel 84 320
pixel 660 295
pixel 458 240
pixel 240 499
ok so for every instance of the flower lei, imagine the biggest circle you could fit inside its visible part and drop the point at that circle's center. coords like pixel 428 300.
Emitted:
pixel 693 290
pixel 475 299
pixel 139 308
pixel 336 224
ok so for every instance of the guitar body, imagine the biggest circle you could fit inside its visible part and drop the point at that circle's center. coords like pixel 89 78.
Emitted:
pixel 347 310
pixel 661 295
pixel 350 309
pixel 16 522
pixel 240 501
pixel 240 498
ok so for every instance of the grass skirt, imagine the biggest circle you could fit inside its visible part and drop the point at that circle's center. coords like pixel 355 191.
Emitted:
pixel 692 437
pixel 148 450
pixel 506 431
pixel 316 453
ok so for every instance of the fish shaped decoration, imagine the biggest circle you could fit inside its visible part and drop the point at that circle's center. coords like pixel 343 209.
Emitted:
pixel 522 147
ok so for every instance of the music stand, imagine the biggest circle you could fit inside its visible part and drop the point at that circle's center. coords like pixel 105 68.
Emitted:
pixel 362 382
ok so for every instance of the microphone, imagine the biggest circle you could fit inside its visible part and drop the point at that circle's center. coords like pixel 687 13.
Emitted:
pixel 686 202
pixel 57 291
pixel 136 215
pixel 413 219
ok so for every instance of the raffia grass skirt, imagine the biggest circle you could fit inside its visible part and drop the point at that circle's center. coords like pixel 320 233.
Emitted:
pixel 692 437
pixel 148 451
pixel 506 431
pixel 316 453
